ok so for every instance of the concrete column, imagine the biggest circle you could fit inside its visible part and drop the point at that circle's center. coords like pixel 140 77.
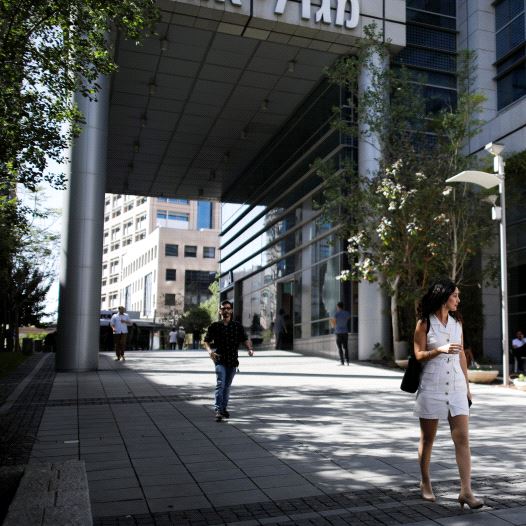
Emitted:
pixel 373 312
pixel 81 255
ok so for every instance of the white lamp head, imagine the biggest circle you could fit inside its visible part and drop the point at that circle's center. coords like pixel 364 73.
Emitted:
pixel 494 148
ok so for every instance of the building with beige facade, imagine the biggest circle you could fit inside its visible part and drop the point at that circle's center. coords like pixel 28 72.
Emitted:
pixel 159 254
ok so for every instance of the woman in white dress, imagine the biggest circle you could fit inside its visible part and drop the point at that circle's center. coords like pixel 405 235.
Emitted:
pixel 443 392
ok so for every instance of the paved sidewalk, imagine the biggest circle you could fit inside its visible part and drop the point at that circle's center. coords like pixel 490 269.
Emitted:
pixel 308 443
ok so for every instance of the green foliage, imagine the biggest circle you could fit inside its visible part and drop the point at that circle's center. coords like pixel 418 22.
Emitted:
pixel 27 267
pixel 211 305
pixel 404 225
pixel 197 319
pixel 48 51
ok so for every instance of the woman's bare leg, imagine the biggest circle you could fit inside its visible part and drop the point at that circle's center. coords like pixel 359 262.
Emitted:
pixel 428 431
pixel 459 426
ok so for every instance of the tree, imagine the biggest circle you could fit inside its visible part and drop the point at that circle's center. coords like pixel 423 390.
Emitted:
pixel 403 224
pixel 28 257
pixel 48 51
pixel 211 305
pixel 196 320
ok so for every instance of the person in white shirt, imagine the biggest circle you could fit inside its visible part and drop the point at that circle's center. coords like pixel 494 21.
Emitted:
pixel 519 349
pixel 119 323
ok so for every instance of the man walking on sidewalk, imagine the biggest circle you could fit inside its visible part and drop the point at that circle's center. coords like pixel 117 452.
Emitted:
pixel 222 344
pixel 340 322
pixel 119 323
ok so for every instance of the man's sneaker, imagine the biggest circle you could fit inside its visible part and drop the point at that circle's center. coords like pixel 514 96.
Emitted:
pixel 123 359
pixel 219 416
pixel 225 414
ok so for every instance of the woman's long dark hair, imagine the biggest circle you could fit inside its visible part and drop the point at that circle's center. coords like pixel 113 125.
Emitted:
pixel 437 294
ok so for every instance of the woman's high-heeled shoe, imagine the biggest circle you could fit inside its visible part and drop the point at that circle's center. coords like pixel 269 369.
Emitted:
pixel 429 496
pixel 472 502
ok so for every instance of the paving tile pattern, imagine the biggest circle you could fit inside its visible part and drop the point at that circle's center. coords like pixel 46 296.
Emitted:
pixel 19 426
pixel 296 452
pixel 10 382
pixel 376 507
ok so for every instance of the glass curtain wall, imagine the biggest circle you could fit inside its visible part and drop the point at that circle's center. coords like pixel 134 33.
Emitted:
pixel 431 50
pixel 277 252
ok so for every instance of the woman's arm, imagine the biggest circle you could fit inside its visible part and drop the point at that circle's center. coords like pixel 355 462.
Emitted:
pixel 420 341
pixel 420 345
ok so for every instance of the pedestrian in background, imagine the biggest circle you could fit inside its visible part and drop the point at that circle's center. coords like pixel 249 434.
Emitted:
pixel 119 323
pixel 340 323
pixel 172 339
pixel 181 334
pixel 443 392
pixel 280 329
pixel 222 343
pixel 518 345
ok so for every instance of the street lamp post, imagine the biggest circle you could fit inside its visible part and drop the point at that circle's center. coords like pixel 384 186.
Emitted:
pixel 488 180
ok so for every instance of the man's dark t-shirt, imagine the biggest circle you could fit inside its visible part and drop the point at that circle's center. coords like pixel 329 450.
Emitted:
pixel 225 340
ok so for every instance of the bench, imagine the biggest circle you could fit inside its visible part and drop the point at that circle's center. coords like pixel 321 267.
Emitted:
pixel 51 495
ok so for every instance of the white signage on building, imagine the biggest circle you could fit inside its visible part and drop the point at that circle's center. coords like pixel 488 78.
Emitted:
pixel 323 14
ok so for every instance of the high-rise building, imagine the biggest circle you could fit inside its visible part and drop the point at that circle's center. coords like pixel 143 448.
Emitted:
pixel 160 255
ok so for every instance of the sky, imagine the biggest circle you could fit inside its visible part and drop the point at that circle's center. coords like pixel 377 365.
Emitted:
pixel 50 199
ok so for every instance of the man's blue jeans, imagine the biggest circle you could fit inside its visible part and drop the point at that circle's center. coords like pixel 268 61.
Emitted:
pixel 224 377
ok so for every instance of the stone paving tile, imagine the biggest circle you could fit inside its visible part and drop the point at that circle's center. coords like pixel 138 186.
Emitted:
pixel 515 516
pixel 98 494
pixel 176 503
pixel 111 484
pixel 219 475
pixel 119 508
pixel 172 490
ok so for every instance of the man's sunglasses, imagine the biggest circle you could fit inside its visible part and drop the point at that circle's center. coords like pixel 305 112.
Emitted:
pixel 225 308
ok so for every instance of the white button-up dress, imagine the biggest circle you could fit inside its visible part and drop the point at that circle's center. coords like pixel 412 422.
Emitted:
pixel 442 389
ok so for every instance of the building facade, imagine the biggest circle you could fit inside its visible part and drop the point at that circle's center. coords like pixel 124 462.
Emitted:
pixel 230 102
pixel 295 255
pixel 160 255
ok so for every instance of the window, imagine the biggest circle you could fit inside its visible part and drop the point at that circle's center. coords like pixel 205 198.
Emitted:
pixel 511 86
pixel 173 200
pixel 171 250
pixel 204 215
pixel 169 300
pixel 169 219
pixel 196 283
pixel 127 228
pixel 190 251
pixel 209 252
pixel 140 222
pixel 510 39
pixel 170 274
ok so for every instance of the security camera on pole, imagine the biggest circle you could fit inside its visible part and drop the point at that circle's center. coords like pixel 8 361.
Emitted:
pixel 498 213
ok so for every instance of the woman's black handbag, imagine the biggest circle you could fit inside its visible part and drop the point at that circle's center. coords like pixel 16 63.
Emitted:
pixel 411 377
